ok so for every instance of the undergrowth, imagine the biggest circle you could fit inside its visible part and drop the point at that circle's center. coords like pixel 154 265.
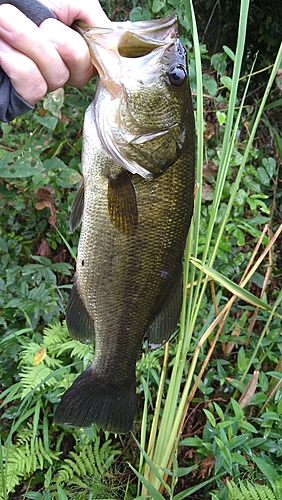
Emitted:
pixel 210 401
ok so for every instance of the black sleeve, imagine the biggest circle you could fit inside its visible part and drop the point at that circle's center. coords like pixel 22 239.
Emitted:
pixel 11 103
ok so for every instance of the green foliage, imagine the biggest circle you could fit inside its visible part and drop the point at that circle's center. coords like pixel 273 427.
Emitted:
pixel 237 202
pixel 240 193
pixel 42 362
pixel 88 469
pixel 248 490
pixel 237 444
pixel 21 460
pixel 43 375
pixel 174 475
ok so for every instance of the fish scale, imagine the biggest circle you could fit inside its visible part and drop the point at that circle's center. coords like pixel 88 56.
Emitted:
pixel 135 203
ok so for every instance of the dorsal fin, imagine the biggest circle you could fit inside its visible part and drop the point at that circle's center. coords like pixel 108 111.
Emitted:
pixel 77 207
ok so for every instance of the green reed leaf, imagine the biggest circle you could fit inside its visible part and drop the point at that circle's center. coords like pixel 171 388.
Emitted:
pixel 231 286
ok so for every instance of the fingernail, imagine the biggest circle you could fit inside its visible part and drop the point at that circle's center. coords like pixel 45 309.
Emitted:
pixel 5 47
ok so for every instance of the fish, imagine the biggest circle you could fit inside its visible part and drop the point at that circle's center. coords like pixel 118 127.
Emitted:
pixel 135 203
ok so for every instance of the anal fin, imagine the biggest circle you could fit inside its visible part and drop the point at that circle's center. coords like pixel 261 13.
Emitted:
pixel 165 322
pixel 79 323
pixel 122 203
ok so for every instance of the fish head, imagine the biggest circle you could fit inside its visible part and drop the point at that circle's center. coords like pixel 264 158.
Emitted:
pixel 142 104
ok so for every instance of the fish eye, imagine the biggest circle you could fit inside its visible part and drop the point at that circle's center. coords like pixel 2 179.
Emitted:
pixel 177 75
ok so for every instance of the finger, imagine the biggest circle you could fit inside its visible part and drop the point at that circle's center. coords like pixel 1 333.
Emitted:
pixel 88 11
pixel 24 36
pixel 72 49
pixel 24 74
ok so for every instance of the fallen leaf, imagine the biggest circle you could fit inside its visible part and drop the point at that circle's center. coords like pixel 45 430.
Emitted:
pixel 46 200
pixel 207 192
pixel 44 249
pixel 209 131
pixel 207 466
pixel 39 356
pixel 250 390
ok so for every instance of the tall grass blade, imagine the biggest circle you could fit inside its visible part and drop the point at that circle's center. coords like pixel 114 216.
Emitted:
pixel 227 149
pixel 66 243
pixel 164 443
pixel 190 491
pixel 3 471
pixel 149 487
pixel 232 287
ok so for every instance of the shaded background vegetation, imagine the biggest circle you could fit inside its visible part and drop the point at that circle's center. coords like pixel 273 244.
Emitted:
pixel 39 169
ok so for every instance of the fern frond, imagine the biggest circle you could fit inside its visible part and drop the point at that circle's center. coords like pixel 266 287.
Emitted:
pixel 77 349
pixel 22 462
pixel 57 341
pixel 104 455
pixel 28 352
pixel 72 470
pixel 43 455
pixel 98 454
pixel 250 491
pixel 11 477
pixel 87 468
pixel 55 334
pixel 32 376
pixel 27 460
pixel 76 466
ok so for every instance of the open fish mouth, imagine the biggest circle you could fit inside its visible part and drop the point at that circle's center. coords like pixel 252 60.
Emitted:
pixel 131 58
pixel 130 41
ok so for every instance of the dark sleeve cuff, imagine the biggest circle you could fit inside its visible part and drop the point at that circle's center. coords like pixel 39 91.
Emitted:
pixel 11 103
pixel 33 9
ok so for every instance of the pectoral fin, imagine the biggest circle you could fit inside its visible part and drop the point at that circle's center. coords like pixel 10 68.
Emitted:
pixel 77 207
pixel 165 322
pixel 79 323
pixel 122 203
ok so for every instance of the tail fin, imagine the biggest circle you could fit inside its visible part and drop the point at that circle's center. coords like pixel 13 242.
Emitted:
pixel 92 401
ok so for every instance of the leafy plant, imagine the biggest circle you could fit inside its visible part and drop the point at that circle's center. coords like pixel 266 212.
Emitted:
pixel 20 461
pixel 248 490
pixel 44 374
pixel 173 475
pixel 89 468
pixel 211 397
pixel 229 441
pixel 170 411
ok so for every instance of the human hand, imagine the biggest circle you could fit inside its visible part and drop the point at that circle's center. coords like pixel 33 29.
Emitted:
pixel 41 59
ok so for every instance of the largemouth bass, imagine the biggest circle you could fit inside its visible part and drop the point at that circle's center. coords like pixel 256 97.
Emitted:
pixel 135 203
